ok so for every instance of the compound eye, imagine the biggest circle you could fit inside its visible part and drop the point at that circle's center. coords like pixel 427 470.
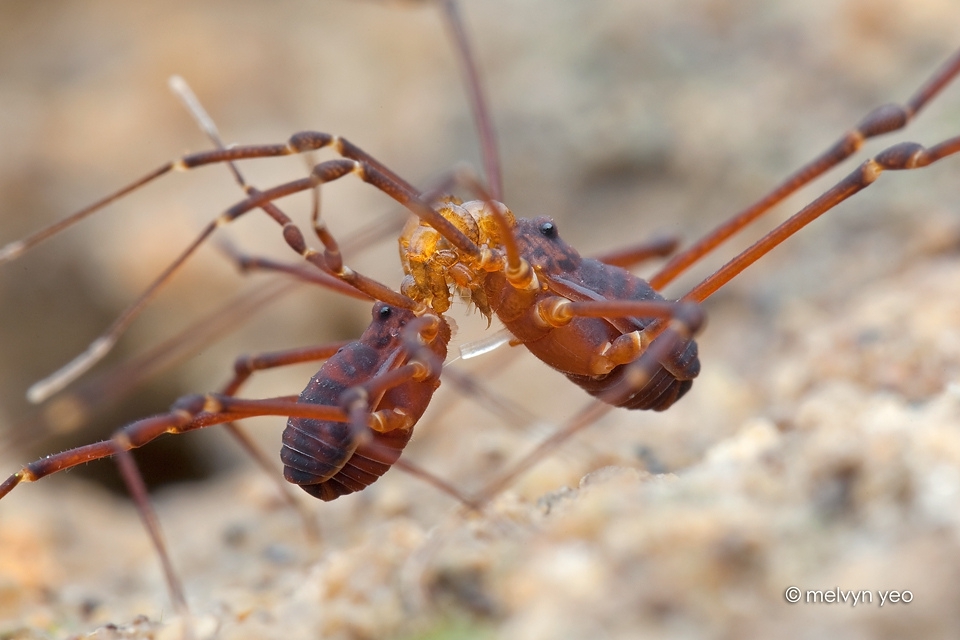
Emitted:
pixel 548 230
pixel 385 312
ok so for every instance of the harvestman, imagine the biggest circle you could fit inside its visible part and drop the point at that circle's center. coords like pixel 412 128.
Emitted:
pixel 637 360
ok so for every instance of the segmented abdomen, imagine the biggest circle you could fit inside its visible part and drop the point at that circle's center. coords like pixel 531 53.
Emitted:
pixel 322 456
pixel 666 384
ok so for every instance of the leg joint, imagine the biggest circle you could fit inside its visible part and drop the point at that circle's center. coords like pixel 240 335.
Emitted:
pixel 309 141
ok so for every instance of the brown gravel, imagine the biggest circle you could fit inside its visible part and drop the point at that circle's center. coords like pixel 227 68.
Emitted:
pixel 819 449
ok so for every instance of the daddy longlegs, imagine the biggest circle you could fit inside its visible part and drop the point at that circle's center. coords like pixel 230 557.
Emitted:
pixel 331 207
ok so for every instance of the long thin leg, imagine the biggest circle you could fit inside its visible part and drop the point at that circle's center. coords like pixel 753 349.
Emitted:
pixel 513 413
pixel 243 368
pixel 73 409
pixel 628 256
pixel 903 156
pixel 189 99
pixel 437 483
pixel 368 170
pixel 138 491
pixel 357 161
pixel 687 322
pixel 360 163
pixel 247 263
pixel 625 257
pixel 284 490
pixel 885 119
pixel 906 155
pixel 100 347
pixel 103 344
pixel 321 174
pixel 634 254
pixel 478 103
pixel 188 414
pixel 121 441
pixel 198 411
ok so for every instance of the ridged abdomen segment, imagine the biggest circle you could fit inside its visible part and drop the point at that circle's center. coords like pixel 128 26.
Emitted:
pixel 661 391
pixel 667 384
pixel 315 451
pixel 571 348
pixel 322 457
pixel 365 466
pixel 329 459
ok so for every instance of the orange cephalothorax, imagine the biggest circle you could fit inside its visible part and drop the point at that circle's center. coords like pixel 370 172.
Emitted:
pixel 435 269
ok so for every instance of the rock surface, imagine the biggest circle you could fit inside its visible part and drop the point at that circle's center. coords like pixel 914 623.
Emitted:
pixel 820 448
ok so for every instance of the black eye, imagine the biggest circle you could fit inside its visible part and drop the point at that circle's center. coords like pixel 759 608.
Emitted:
pixel 385 312
pixel 548 230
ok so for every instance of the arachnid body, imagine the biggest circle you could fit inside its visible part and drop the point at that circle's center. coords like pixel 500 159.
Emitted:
pixel 825 322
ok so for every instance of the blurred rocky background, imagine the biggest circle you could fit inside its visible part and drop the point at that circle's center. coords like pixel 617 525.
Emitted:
pixel 820 447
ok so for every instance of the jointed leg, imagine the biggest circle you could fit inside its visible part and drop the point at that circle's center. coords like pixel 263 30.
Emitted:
pixel 191 415
pixel 558 311
pixel 369 169
pixel 244 367
pixel 355 161
pixel 630 256
pixel 138 492
pixel 74 408
pixel 188 413
pixel 687 321
pixel 906 155
pixel 885 119
pixel 246 263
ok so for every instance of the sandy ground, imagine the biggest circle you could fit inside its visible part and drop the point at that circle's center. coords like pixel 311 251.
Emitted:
pixel 820 447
